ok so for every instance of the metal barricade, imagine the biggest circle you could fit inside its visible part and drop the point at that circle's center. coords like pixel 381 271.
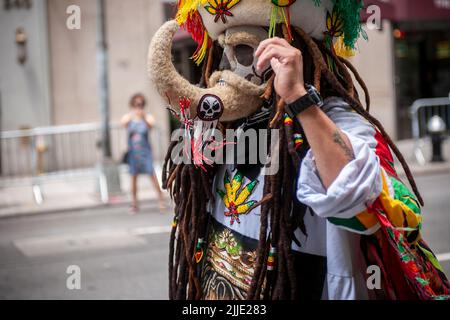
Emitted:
pixel 422 111
pixel 35 156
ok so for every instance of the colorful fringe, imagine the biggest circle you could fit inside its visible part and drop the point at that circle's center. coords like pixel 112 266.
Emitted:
pixel 342 50
pixel 186 8
pixel 348 12
pixel 414 270
pixel 280 14
pixel 189 19
pixel 416 264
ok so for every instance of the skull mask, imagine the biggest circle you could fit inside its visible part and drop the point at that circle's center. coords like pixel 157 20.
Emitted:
pixel 240 44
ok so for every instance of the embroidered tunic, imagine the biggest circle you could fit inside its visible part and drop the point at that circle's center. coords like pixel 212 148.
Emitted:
pixel 335 220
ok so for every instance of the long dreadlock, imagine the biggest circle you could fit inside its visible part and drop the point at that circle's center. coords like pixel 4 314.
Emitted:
pixel 191 188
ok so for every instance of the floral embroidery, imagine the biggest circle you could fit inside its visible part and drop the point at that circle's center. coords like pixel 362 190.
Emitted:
pixel 221 9
pixel 230 261
pixel 234 200
pixel 335 26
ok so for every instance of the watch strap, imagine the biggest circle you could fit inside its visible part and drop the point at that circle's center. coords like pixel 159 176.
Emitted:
pixel 312 98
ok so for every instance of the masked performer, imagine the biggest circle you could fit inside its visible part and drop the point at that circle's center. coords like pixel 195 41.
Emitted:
pixel 335 210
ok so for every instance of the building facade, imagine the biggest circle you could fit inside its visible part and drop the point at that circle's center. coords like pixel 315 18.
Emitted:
pixel 407 59
pixel 50 78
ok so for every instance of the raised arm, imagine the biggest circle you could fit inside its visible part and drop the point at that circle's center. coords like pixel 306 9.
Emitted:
pixel 331 147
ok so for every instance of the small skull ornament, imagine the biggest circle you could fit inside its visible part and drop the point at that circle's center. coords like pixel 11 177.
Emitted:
pixel 210 108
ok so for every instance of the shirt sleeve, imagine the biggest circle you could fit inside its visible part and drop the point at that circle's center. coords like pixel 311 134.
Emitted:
pixel 358 185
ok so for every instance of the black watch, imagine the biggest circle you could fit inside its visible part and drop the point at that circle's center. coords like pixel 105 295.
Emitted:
pixel 312 98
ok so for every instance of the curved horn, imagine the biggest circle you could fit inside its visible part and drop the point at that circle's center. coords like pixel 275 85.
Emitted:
pixel 167 80
pixel 239 97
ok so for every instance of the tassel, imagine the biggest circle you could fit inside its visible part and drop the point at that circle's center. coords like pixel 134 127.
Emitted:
pixel 199 251
pixel 190 20
pixel 342 50
pixel 280 14
pixel 186 8
pixel 288 121
pixel 348 12
pixel 329 45
pixel 287 21
pixel 273 22
pixel 271 259
pixel 298 140
pixel 200 54
pixel 175 223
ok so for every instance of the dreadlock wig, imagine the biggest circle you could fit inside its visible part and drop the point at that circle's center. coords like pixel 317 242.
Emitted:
pixel 209 260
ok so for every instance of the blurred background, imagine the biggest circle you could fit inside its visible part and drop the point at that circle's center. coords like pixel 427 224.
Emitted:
pixel 64 192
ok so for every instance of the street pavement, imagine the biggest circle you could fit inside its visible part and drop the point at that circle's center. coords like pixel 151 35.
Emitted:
pixel 121 256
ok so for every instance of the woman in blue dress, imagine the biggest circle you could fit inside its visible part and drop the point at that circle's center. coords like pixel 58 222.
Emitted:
pixel 139 155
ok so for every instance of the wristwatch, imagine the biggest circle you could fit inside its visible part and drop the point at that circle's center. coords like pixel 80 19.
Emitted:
pixel 312 98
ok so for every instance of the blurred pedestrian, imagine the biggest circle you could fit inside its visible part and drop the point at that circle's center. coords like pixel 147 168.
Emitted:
pixel 139 155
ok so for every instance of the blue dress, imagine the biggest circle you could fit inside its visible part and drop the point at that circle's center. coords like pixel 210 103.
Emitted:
pixel 140 159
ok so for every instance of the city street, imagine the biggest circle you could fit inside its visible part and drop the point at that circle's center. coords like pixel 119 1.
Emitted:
pixel 120 256
pixel 125 257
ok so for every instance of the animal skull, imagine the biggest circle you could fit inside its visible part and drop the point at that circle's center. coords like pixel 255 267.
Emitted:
pixel 240 44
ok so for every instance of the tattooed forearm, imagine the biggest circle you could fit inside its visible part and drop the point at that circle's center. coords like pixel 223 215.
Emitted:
pixel 337 138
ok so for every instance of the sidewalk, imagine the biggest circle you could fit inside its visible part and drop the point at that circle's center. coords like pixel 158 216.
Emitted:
pixel 80 193
pixel 406 148
pixel 70 194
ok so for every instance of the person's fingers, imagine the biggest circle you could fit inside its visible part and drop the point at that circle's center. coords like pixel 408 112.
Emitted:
pixel 267 55
pixel 272 41
pixel 276 64
pixel 271 51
